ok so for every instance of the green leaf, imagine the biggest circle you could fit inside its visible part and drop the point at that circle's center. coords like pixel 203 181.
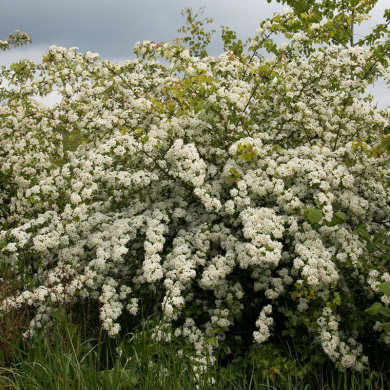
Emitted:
pixel 383 246
pixel 314 215
pixel 385 238
pixel 386 143
pixel 341 215
pixel 385 311
pixel 333 222
pixel 379 235
pixel 337 299
pixel 371 247
pixel 374 309
pixel 385 288
pixel 363 232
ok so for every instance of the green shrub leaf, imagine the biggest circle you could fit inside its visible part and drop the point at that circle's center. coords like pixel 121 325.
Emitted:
pixel 341 215
pixel 314 215
pixel 385 288
pixel 374 309
pixel 385 311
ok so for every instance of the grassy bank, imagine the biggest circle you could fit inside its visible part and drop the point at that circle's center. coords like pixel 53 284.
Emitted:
pixel 74 353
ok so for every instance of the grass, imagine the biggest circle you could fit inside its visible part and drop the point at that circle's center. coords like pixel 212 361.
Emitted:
pixel 67 356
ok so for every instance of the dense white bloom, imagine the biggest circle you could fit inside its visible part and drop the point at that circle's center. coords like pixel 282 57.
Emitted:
pixel 263 323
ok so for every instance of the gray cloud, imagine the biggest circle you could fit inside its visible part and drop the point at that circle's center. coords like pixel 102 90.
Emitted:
pixel 111 27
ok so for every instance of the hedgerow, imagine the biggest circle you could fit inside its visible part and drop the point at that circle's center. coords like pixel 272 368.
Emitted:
pixel 227 190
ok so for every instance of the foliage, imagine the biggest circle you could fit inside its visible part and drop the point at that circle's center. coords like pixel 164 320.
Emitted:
pixel 196 37
pixel 338 17
pixel 248 198
pixel 16 39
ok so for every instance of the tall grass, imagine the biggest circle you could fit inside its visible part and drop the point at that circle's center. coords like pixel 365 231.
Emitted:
pixel 66 356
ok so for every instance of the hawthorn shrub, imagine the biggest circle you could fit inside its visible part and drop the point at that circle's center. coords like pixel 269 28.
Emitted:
pixel 232 192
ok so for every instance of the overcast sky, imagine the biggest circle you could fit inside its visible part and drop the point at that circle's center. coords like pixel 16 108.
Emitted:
pixel 111 27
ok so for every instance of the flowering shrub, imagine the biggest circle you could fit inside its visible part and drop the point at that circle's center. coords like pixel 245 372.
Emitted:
pixel 238 189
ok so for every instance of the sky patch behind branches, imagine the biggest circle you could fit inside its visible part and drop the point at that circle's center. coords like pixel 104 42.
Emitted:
pixel 111 28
